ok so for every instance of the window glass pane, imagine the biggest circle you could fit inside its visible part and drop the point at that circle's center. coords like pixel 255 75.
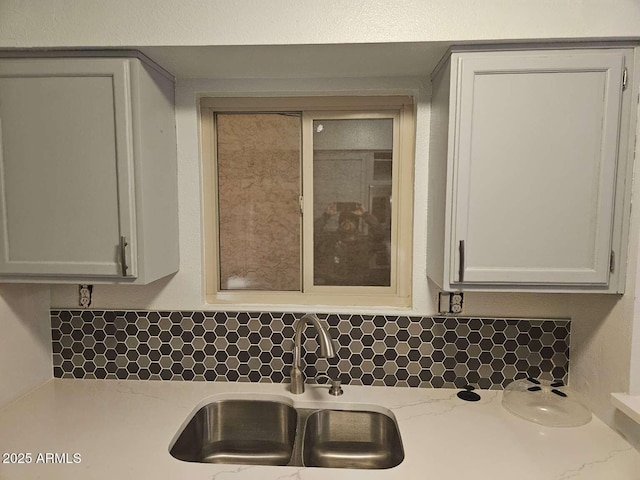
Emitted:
pixel 352 201
pixel 258 159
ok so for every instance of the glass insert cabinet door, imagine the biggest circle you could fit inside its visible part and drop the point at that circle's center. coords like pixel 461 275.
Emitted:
pixel 352 183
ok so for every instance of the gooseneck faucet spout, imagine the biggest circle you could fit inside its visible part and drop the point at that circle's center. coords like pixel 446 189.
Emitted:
pixel 324 341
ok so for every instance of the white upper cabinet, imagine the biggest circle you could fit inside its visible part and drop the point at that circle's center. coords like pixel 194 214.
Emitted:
pixel 528 167
pixel 88 186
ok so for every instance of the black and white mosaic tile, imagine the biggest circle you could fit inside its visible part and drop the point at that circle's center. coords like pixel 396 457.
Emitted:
pixel 257 347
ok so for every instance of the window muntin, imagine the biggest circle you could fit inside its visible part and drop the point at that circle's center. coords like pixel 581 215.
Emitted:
pixel 390 176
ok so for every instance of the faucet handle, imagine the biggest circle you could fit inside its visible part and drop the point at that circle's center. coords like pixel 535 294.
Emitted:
pixel 335 389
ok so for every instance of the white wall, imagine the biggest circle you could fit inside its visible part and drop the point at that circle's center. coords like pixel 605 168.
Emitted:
pixel 25 343
pixel 55 23
pixel 634 380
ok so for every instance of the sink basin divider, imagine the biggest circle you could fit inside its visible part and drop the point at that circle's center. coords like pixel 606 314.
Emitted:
pixel 298 444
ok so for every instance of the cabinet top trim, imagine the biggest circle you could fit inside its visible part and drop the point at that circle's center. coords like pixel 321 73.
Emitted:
pixel 532 47
pixel 47 53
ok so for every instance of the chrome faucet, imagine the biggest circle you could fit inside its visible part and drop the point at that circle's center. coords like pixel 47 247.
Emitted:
pixel 326 349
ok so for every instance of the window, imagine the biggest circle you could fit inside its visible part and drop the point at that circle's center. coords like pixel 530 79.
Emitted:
pixel 308 200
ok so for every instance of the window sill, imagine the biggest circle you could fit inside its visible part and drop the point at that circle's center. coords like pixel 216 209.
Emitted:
pixel 628 404
pixel 279 299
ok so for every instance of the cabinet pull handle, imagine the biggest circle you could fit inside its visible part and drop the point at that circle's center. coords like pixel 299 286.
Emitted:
pixel 123 256
pixel 461 264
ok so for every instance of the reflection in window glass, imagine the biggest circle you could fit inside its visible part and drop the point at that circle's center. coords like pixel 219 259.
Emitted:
pixel 352 201
pixel 258 199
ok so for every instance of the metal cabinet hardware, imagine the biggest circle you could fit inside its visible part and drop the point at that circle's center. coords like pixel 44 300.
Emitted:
pixel 612 262
pixel 123 255
pixel 461 266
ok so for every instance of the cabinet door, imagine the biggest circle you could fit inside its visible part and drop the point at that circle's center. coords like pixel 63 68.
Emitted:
pixel 66 167
pixel 536 146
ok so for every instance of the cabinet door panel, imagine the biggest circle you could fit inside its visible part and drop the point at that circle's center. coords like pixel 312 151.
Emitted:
pixel 537 144
pixel 65 162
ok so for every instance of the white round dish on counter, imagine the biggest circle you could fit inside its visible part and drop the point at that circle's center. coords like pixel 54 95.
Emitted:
pixel 544 402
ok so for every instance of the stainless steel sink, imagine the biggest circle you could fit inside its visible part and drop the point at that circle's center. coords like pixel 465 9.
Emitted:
pixel 351 439
pixel 249 432
pixel 260 432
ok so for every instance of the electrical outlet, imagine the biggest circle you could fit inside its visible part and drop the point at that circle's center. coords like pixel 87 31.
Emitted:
pixel 85 294
pixel 450 303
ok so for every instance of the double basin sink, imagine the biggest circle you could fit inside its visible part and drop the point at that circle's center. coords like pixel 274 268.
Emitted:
pixel 272 432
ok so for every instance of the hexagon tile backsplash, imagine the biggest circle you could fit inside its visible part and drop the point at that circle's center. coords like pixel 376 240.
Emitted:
pixel 257 347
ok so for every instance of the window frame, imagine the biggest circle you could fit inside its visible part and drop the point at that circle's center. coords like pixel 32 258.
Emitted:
pixel 401 110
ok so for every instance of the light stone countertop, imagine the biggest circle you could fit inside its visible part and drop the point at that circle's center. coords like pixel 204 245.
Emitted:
pixel 123 429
